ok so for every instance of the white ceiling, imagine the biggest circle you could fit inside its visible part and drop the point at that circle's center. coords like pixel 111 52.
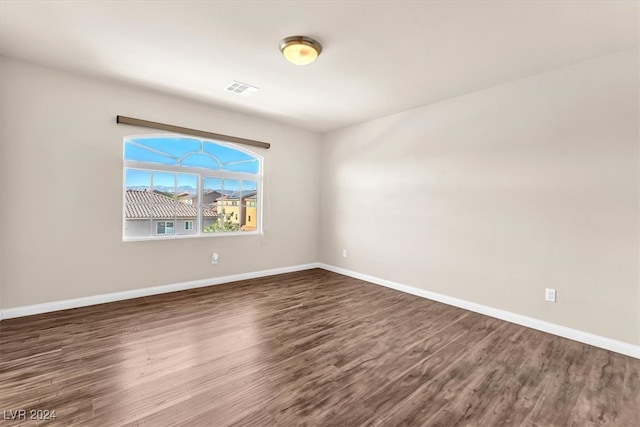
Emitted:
pixel 380 57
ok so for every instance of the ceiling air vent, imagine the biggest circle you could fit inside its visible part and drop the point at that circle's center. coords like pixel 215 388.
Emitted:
pixel 240 88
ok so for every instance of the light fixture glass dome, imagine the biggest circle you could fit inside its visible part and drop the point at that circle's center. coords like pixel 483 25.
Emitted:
pixel 300 50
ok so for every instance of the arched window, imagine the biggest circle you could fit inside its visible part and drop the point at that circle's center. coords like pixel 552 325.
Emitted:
pixel 179 186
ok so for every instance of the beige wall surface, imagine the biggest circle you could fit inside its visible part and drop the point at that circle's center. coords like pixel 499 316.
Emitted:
pixel 2 186
pixel 61 168
pixel 489 197
pixel 493 196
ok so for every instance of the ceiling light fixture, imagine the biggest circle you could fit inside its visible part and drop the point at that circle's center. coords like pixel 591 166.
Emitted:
pixel 300 50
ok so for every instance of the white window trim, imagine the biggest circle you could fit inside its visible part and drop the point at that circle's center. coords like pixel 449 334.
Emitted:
pixel 201 174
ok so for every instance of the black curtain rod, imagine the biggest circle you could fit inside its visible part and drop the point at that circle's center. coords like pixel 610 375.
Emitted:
pixel 179 129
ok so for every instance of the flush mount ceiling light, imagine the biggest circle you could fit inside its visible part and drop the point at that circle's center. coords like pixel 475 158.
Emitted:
pixel 300 50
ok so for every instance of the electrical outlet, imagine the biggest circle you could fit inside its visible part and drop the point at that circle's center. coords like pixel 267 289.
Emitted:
pixel 344 253
pixel 550 295
pixel 214 258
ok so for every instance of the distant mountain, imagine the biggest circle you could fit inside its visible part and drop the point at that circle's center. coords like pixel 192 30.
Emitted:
pixel 164 189
pixel 190 190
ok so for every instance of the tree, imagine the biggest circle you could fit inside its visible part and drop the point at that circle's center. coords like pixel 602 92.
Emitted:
pixel 220 226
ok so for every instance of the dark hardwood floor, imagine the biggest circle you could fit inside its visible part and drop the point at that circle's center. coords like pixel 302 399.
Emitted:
pixel 309 348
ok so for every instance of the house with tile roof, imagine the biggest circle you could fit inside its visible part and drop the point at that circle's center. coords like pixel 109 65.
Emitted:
pixel 251 213
pixel 233 207
pixel 153 213
pixel 208 198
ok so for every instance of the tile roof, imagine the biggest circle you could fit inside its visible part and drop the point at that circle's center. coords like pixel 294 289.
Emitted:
pixel 144 204
pixel 237 194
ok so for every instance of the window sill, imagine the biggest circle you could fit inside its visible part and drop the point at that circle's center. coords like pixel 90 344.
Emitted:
pixel 196 236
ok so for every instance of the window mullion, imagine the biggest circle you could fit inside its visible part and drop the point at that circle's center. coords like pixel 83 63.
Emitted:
pixel 199 206
pixel 175 204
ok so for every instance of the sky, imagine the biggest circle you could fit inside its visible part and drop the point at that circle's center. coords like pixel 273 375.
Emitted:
pixel 191 152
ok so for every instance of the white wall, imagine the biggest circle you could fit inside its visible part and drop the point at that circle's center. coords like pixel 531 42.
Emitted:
pixel 493 196
pixel 61 168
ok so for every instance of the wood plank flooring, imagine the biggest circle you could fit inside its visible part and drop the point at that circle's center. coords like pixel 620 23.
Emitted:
pixel 310 348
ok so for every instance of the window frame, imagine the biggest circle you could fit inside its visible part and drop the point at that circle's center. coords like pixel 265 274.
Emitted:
pixel 164 222
pixel 201 174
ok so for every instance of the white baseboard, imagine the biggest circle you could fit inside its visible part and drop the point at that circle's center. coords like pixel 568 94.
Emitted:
pixel 29 310
pixel 562 331
pixel 530 322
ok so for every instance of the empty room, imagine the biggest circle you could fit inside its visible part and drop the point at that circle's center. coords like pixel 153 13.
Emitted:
pixel 320 213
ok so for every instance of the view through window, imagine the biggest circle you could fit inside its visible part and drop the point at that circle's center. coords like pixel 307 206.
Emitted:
pixel 179 186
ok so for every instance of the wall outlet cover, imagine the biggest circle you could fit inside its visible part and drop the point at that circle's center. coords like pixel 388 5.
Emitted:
pixel 550 295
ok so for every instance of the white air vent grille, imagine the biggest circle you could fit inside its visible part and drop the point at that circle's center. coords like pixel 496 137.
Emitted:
pixel 240 88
